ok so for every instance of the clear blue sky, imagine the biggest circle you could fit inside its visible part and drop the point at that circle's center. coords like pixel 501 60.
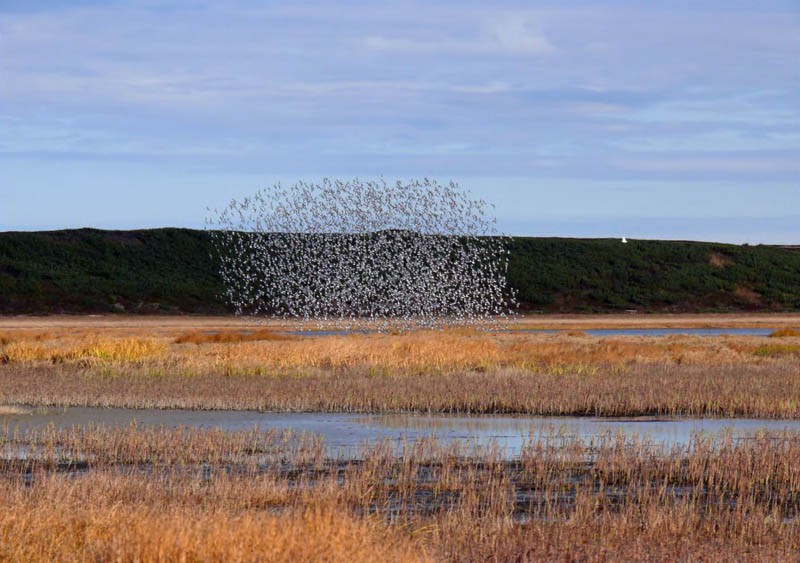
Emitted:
pixel 644 119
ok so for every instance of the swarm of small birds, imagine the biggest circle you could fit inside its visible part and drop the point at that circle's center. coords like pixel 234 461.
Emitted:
pixel 364 255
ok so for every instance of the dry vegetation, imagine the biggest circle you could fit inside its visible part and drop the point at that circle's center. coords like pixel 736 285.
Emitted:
pixel 229 336
pixel 154 494
pixel 131 494
pixel 228 366
pixel 785 332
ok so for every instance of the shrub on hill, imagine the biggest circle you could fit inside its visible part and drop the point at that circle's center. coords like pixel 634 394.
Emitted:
pixel 172 270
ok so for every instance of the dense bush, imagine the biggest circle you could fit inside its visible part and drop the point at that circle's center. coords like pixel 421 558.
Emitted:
pixel 87 270
pixel 172 270
pixel 605 275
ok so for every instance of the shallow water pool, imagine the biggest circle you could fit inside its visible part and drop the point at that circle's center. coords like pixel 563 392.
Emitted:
pixel 346 434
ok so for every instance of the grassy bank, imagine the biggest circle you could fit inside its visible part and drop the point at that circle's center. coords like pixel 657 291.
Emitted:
pixel 171 270
pixel 453 371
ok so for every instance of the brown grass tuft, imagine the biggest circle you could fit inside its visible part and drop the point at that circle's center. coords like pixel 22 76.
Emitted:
pixel 574 333
pixel 93 349
pixel 748 295
pixel 56 524
pixel 228 337
pixel 719 260
pixel 785 332
pixel 12 410
pixel 777 350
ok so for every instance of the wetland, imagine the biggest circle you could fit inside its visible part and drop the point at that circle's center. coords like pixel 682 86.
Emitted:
pixel 213 439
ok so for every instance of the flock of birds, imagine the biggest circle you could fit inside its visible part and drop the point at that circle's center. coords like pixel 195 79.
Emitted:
pixel 367 255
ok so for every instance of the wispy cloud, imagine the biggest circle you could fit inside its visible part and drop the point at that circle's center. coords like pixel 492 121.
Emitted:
pixel 599 91
pixel 509 34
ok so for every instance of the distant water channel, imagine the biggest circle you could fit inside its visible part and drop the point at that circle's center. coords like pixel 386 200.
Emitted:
pixel 346 434
pixel 666 331
pixel 597 331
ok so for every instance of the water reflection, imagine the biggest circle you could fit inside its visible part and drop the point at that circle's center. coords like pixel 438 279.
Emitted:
pixel 590 331
pixel 347 434
pixel 664 331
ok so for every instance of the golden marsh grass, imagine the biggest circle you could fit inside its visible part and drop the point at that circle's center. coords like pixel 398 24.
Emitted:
pixel 222 366
pixel 785 332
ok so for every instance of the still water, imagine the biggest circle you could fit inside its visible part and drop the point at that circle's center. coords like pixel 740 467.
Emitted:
pixel 346 434
pixel 597 332
pixel 669 331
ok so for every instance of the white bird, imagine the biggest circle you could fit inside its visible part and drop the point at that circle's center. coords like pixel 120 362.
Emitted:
pixel 393 256
pixel 624 240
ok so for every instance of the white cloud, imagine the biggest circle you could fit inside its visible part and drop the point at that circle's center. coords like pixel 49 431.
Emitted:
pixel 492 87
pixel 479 84
pixel 722 140
pixel 762 109
pixel 714 165
pixel 515 34
pixel 505 35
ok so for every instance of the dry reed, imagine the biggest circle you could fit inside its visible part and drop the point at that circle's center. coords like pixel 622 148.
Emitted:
pixel 785 332
pixel 61 522
pixel 448 371
pixel 157 494
pixel 428 351
pixel 92 349
pixel 767 390
pixel 205 337
pixel 255 496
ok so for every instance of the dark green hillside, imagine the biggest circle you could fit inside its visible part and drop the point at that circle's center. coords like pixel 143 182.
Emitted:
pixel 170 270
pixel 87 270
pixel 606 275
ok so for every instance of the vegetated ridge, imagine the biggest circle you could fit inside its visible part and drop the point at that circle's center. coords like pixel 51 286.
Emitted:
pixel 173 271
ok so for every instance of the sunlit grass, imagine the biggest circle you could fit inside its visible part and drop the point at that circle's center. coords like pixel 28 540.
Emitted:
pixel 94 348
pixel 159 494
pixel 228 336
pixel 778 350
pixel 785 332
pixel 65 521
pixel 428 351
pixel 131 494
pixel 457 371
